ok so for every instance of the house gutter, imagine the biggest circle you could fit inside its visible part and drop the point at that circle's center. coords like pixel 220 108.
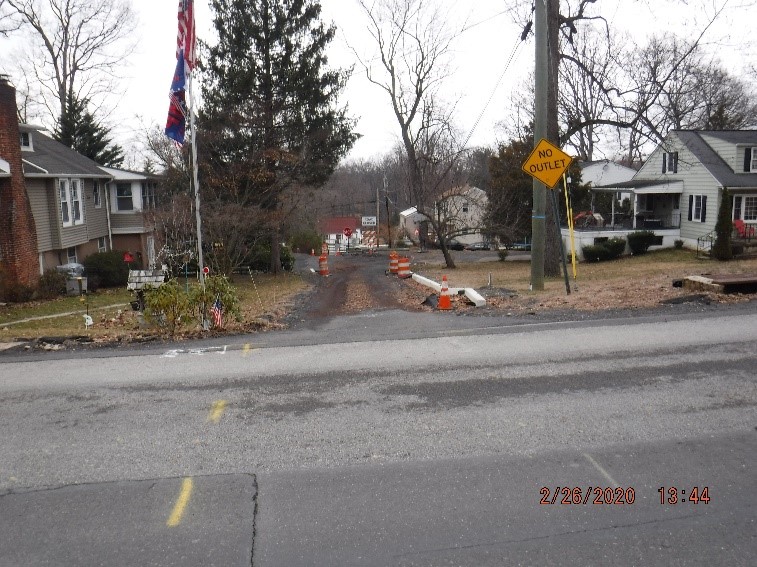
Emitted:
pixel 107 214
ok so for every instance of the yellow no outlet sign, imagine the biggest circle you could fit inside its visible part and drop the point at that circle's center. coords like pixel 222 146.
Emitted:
pixel 547 163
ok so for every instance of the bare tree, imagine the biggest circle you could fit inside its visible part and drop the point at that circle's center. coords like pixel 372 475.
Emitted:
pixel 413 47
pixel 78 45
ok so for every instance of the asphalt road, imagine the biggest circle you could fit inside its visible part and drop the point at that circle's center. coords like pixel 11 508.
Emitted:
pixel 372 440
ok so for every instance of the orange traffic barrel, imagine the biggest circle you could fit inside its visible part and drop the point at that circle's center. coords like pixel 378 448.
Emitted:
pixel 403 270
pixel 444 300
pixel 323 265
pixel 394 259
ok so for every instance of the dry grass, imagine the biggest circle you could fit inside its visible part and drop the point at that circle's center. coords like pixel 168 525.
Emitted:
pixel 630 282
pixel 265 299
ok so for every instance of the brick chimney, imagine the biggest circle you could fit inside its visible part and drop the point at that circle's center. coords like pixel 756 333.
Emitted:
pixel 18 237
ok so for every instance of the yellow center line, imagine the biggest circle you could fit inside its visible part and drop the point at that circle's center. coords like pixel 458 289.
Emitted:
pixel 216 411
pixel 247 349
pixel 181 504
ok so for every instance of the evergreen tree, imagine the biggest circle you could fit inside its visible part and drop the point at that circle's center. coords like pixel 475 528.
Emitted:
pixel 722 249
pixel 78 129
pixel 270 118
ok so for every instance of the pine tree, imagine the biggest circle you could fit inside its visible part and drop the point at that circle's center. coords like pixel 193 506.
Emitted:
pixel 722 249
pixel 270 115
pixel 78 129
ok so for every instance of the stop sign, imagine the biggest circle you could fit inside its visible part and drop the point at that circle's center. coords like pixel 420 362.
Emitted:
pixel 348 232
pixel 206 270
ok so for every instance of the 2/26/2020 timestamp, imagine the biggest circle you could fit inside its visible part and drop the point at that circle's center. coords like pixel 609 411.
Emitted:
pixel 675 495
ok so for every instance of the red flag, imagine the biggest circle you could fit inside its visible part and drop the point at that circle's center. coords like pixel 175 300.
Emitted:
pixel 186 39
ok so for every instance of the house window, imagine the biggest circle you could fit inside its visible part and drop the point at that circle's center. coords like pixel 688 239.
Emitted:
pixel 76 201
pixel 69 196
pixel 26 141
pixel 148 196
pixel 65 214
pixel 102 244
pixel 697 208
pixel 737 200
pixel 750 160
pixel 71 255
pixel 670 162
pixel 97 196
pixel 750 208
pixel 124 201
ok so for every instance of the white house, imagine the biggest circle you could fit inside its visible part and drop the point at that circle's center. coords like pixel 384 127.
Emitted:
pixel 604 172
pixel 677 192
pixel 131 199
pixel 461 212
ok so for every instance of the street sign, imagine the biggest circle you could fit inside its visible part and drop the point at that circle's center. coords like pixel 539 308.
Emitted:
pixel 547 163
pixel 369 221
pixel 347 232
pixel 206 270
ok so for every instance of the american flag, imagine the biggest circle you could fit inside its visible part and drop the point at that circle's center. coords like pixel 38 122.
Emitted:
pixel 216 313
pixel 186 39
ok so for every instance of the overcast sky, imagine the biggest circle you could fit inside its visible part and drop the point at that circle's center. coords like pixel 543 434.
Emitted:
pixel 479 62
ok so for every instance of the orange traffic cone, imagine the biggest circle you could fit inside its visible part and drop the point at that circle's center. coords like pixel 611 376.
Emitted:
pixel 445 302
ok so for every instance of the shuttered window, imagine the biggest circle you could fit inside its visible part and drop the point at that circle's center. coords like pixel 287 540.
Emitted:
pixel 698 208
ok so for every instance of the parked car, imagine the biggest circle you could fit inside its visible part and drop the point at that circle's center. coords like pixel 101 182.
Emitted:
pixel 478 246
pixel 452 244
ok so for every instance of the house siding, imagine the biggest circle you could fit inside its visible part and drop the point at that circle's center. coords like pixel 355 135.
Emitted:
pixel 127 222
pixel 696 181
pixel 44 213
pixel 732 154
pixel 96 219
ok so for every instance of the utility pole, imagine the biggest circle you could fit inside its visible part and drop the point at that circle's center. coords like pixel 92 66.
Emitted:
pixel 541 73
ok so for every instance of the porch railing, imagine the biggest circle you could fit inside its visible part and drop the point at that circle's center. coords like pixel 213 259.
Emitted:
pixel 704 244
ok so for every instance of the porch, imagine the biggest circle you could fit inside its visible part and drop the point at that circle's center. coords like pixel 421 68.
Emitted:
pixel 665 237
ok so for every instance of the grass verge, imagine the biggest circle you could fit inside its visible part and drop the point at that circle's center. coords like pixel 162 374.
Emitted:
pixel 264 299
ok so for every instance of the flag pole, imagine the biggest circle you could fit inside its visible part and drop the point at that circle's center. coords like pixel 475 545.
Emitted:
pixel 195 180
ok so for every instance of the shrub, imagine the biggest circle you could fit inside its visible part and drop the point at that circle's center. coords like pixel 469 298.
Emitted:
pixel 616 247
pixel 722 250
pixel 503 253
pixel 259 259
pixel 202 300
pixel 51 284
pixel 17 293
pixel 107 268
pixel 168 306
pixel 596 253
pixel 607 250
pixel 305 241
pixel 640 241
pixel 678 244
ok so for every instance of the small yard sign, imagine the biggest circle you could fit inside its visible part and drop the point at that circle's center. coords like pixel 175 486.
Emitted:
pixel 547 163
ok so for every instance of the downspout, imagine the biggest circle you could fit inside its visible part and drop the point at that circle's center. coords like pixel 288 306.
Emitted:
pixel 107 208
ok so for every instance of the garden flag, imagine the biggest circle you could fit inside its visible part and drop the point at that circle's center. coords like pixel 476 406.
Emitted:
pixel 216 312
